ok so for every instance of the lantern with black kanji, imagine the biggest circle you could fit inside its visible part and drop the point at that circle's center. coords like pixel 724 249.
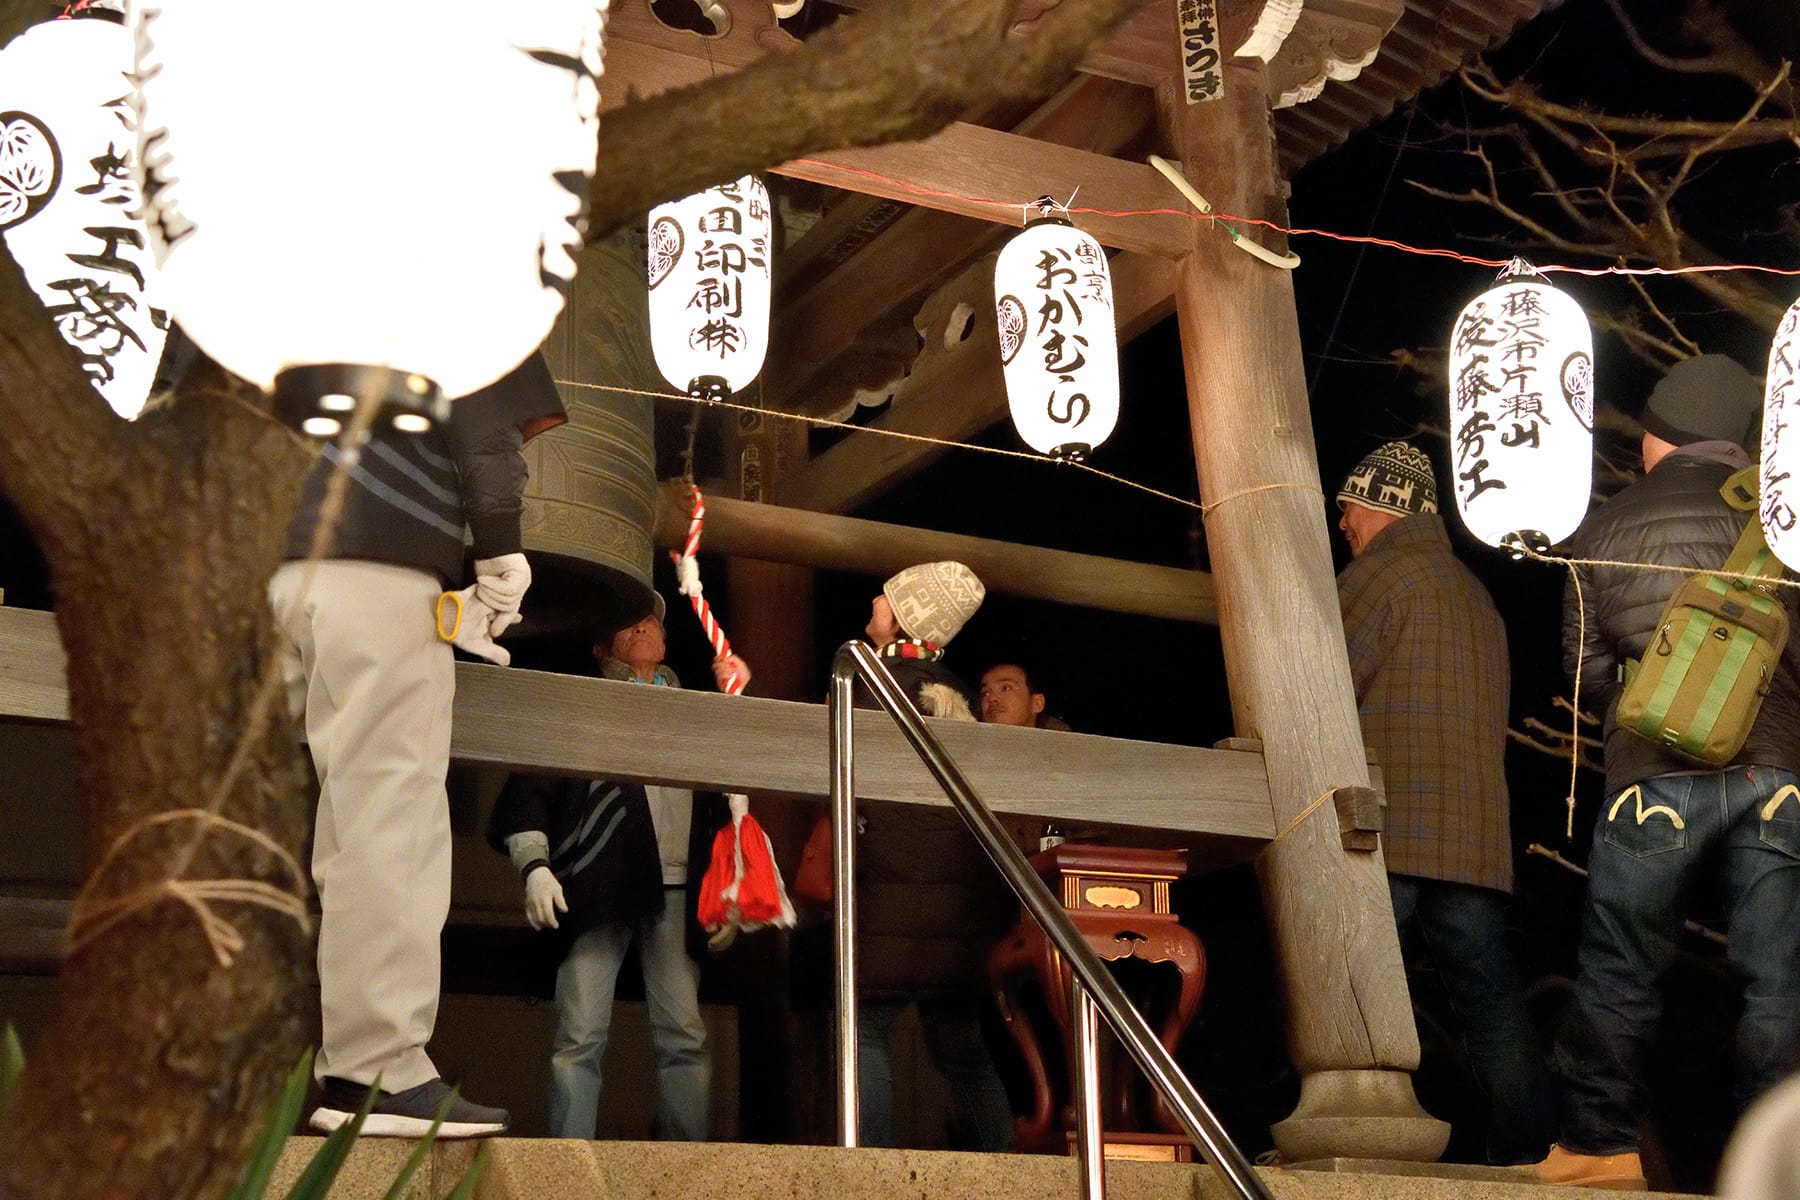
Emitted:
pixel 709 274
pixel 1058 345
pixel 1779 496
pixel 69 208
pixel 1521 412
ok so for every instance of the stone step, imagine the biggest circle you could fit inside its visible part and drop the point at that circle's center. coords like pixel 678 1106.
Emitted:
pixel 555 1169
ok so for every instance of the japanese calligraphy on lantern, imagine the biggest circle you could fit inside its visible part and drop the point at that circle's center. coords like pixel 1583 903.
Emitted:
pixel 68 205
pixel 1058 346
pixel 1781 449
pixel 1197 25
pixel 709 274
pixel 1521 412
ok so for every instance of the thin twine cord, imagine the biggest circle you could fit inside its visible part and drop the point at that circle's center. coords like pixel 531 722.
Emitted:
pixel 1300 819
pixel 1581 636
pixel 828 423
pixel 90 920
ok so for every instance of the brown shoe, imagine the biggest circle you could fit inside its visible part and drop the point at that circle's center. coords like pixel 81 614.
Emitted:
pixel 1612 1172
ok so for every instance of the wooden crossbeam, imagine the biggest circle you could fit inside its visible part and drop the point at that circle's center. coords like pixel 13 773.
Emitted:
pixel 826 541
pixel 988 174
pixel 530 720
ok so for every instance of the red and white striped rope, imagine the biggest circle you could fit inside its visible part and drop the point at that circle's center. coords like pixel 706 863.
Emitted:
pixel 702 610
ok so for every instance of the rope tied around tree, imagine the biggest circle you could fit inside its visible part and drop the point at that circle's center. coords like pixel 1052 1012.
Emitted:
pixel 90 919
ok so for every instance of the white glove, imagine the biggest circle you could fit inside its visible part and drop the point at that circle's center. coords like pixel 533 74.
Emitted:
pixel 687 575
pixel 500 584
pixel 468 626
pixel 543 898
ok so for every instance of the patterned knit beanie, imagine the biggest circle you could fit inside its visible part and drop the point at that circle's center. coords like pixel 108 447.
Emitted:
pixel 1708 398
pixel 1395 478
pixel 933 600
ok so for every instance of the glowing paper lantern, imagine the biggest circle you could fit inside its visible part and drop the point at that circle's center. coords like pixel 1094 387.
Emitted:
pixel 69 204
pixel 1058 344
pixel 352 199
pixel 710 283
pixel 1780 446
pixel 1521 412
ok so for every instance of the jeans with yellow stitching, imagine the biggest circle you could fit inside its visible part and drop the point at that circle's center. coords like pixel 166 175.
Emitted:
pixel 1655 842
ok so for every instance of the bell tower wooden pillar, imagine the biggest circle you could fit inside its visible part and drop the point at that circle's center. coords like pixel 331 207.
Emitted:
pixel 1349 1017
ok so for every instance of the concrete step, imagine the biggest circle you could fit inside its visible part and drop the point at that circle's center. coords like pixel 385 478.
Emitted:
pixel 555 1169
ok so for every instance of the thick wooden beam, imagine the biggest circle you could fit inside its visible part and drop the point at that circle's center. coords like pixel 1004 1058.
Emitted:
pixel 954 392
pixel 989 174
pixel 1350 1025
pixel 830 542
pixel 564 724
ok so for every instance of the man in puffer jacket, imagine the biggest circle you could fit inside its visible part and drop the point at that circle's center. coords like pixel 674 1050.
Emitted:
pixel 1663 817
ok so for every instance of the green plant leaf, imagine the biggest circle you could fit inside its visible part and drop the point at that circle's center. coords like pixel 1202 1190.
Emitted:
pixel 465 1187
pixel 255 1179
pixel 12 1062
pixel 398 1189
pixel 321 1172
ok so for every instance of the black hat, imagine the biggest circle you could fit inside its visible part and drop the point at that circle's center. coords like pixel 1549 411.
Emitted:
pixel 1708 398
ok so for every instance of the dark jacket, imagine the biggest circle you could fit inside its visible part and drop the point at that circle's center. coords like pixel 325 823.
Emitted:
pixel 1673 516
pixel 410 495
pixel 929 902
pixel 602 843
pixel 1428 659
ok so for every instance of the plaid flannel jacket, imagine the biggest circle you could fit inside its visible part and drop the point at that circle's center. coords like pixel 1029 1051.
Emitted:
pixel 1429 661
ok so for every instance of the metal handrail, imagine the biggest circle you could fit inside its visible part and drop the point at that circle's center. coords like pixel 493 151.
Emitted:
pixel 1091 977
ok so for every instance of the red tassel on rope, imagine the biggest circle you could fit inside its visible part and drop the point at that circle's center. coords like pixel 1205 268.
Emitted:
pixel 742 889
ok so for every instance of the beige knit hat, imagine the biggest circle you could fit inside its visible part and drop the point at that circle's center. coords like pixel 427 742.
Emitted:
pixel 933 600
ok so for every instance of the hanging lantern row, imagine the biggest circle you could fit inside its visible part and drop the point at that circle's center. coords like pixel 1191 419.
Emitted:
pixel 1059 349
pixel 339 215
pixel 709 273
pixel 1521 412
pixel 69 203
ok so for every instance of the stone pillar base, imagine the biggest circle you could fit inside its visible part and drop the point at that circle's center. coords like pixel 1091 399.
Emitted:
pixel 1359 1114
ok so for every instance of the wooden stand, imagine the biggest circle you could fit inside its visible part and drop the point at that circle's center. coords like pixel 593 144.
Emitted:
pixel 1118 898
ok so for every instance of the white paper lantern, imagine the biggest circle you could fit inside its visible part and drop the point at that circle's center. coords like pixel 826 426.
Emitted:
pixel 1781 441
pixel 1058 343
pixel 710 282
pixel 69 204
pixel 1521 405
pixel 391 188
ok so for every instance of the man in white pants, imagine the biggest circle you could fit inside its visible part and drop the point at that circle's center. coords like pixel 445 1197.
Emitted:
pixel 366 665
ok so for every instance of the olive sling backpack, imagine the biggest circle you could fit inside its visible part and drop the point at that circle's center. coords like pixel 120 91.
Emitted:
pixel 1716 648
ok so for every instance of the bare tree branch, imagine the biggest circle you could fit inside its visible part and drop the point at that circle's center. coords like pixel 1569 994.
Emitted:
pixel 898 73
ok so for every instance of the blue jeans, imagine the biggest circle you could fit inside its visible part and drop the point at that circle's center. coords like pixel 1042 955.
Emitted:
pixel 1650 843
pixel 1463 928
pixel 981 1115
pixel 584 1000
